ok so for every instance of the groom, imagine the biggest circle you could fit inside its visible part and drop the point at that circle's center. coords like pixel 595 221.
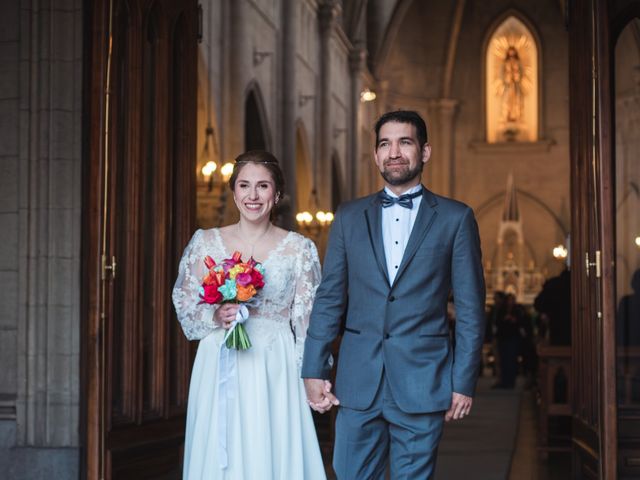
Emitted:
pixel 392 260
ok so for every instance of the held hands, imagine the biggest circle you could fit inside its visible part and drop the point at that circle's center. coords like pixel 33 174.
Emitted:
pixel 226 314
pixel 460 407
pixel 319 396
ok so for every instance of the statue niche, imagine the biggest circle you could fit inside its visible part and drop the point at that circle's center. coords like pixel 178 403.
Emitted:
pixel 512 85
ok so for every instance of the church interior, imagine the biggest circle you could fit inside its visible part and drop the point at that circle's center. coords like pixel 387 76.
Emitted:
pixel 120 122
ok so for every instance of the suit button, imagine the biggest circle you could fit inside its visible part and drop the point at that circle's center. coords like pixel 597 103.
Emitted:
pixel 392 298
pixel 386 336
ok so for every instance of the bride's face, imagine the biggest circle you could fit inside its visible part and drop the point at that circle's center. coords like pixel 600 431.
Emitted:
pixel 254 192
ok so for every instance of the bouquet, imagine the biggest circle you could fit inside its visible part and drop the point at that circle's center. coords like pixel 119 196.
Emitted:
pixel 232 281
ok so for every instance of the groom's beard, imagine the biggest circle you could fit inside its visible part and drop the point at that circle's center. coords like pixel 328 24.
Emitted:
pixel 400 177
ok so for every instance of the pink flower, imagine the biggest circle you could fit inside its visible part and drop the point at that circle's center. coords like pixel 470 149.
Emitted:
pixel 243 279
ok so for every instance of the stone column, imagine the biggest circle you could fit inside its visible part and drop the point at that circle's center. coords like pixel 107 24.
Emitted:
pixel 441 127
pixel 226 54
pixel 50 197
pixel 288 108
pixel 357 57
pixel 232 127
pixel 446 119
pixel 9 216
pixel 382 102
pixel 327 13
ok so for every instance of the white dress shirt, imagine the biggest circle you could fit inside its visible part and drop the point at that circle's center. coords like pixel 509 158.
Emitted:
pixel 397 222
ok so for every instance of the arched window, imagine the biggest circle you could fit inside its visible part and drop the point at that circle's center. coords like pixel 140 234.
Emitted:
pixel 511 83
pixel 255 131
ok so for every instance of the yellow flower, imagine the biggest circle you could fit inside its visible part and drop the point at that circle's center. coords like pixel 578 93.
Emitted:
pixel 235 270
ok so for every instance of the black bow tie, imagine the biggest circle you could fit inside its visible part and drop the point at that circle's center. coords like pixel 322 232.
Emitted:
pixel 405 200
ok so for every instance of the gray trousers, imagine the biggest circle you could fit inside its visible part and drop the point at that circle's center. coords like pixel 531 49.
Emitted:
pixel 366 440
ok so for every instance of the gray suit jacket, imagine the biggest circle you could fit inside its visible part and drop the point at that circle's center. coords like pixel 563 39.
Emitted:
pixel 401 328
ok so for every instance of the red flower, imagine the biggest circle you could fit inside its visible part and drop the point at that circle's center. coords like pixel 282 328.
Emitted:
pixel 211 294
pixel 257 279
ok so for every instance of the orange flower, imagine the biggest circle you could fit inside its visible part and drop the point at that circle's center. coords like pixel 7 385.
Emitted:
pixel 209 262
pixel 245 293
pixel 213 278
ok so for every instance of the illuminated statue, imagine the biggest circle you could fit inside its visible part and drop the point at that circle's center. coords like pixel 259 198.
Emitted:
pixel 512 91
pixel 512 84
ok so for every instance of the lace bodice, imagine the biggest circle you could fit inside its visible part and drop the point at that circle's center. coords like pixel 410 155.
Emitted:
pixel 292 274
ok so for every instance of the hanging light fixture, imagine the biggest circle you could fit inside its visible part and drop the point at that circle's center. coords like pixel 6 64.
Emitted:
pixel 314 222
pixel 367 95
pixel 212 175
pixel 560 252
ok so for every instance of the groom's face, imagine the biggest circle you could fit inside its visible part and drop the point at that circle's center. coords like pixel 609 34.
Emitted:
pixel 399 156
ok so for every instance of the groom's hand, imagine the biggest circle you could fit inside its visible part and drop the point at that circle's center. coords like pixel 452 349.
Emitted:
pixel 460 407
pixel 319 394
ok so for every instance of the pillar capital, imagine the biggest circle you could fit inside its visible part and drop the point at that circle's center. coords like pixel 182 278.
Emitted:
pixel 328 11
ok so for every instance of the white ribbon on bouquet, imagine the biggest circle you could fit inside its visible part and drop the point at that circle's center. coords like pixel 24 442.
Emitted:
pixel 227 385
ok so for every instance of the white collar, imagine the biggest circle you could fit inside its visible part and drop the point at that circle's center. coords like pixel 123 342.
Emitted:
pixel 410 191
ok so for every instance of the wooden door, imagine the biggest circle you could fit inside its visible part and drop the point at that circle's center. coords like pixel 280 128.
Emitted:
pixel 624 188
pixel 605 48
pixel 140 204
pixel 593 339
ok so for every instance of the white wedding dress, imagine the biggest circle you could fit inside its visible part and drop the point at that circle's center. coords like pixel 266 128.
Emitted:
pixel 269 428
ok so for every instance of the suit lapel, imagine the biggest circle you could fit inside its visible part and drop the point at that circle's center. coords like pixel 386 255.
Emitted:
pixel 373 214
pixel 424 219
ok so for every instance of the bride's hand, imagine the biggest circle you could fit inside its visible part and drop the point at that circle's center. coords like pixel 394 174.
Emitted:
pixel 225 315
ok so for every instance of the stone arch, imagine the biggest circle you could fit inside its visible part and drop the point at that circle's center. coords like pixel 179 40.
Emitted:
pixel 537 246
pixel 485 206
pixel 623 18
pixel 256 127
pixel 390 34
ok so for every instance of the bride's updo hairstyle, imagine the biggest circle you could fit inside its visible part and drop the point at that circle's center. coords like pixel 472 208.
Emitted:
pixel 259 157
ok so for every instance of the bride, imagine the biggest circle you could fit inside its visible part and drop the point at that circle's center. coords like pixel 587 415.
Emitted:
pixel 247 416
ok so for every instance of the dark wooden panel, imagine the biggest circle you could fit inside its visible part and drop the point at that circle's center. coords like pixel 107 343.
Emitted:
pixel 593 342
pixel 96 53
pixel 182 212
pixel 137 360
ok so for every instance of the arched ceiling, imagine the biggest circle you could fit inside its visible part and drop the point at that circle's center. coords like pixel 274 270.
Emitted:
pixel 376 24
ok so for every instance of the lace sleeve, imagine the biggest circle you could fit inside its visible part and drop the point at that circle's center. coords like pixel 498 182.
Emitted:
pixel 307 280
pixel 196 319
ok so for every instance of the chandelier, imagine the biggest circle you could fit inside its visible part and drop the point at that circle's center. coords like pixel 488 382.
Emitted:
pixel 313 223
